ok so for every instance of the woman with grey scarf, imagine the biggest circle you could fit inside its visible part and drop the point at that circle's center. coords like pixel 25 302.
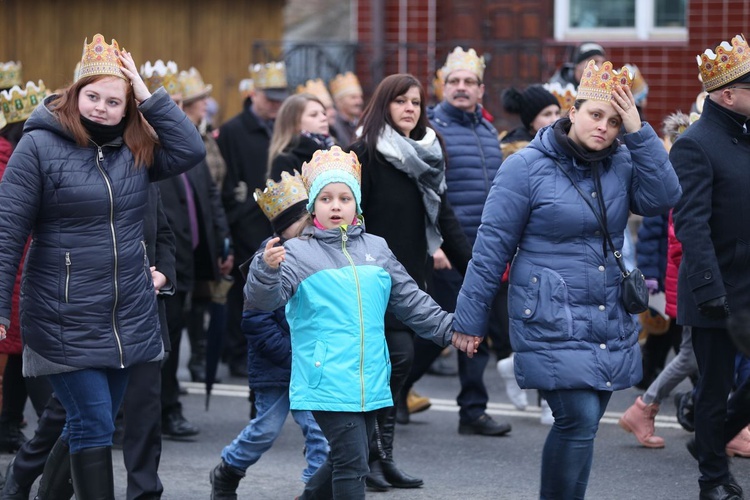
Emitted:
pixel 403 201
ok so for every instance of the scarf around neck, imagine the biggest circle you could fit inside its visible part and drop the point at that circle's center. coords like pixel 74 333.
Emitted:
pixel 103 134
pixel 575 150
pixel 422 161
pixel 324 141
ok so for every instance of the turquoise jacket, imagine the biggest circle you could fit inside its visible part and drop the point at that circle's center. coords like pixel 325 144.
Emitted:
pixel 337 285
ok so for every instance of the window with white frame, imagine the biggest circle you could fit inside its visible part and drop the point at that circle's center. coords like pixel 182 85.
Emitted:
pixel 603 20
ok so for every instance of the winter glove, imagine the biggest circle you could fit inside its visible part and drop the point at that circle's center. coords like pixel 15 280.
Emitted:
pixel 240 192
pixel 717 308
pixel 653 285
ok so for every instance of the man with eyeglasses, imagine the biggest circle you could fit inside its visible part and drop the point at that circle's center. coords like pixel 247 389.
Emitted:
pixel 473 157
pixel 712 160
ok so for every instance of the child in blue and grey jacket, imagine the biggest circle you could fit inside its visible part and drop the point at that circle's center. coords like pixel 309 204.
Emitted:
pixel 337 282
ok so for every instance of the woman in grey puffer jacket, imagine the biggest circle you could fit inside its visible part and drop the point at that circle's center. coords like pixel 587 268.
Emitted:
pixel 78 183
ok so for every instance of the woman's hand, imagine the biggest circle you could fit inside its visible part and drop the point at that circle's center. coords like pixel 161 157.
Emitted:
pixel 129 69
pixel 440 261
pixel 624 103
pixel 466 343
pixel 158 278
pixel 3 332
pixel 274 256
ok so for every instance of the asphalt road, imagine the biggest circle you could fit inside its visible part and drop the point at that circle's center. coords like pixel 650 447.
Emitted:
pixel 453 466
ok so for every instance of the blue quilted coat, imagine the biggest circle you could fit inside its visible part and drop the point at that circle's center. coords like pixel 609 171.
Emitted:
pixel 568 327
pixel 87 299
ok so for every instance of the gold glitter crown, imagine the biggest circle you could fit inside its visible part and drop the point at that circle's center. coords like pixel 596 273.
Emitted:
pixel 161 75
pixel 100 58
pixel 348 83
pixel 10 74
pixel 192 85
pixel 269 76
pixel 598 84
pixel 246 88
pixel 279 196
pixel 17 103
pixel 728 63
pixel 466 60
pixel 327 160
pixel 318 89
pixel 566 96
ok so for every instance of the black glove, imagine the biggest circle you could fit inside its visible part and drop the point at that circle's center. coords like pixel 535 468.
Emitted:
pixel 717 308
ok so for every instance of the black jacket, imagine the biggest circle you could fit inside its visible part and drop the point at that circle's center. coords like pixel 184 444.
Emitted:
pixel 292 158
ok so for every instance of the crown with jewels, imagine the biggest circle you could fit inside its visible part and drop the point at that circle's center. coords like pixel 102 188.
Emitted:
pixel 161 75
pixel 271 75
pixel 18 103
pixel 729 62
pixel 10 74
pixel 566 96
pixel 100 58
pixel 192 85
pixel 466 60
pixel 246 88
pixel 597 84
pixel 318 89
pixel 279 196
pixel 343 84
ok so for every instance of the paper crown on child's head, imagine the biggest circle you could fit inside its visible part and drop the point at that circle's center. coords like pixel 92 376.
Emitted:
pixel 10 74
pixel 566 96
pixel 17 103
pixel 730 62
pixel 318 89
pixel 466 60
pixel 280 198
pixel 192 85
pixel 100 58
pixel 597 84
pixel 332 165
pixel 343 84
pixel 161 75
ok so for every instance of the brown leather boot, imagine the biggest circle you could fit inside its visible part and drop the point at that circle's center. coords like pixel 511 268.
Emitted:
pixel 639 419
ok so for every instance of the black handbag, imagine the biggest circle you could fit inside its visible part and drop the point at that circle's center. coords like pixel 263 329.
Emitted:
pixel 633 289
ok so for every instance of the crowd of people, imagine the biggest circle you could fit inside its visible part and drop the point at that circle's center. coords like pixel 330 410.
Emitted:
pixel 337 246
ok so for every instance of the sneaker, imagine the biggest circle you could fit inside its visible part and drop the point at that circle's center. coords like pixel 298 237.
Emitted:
pixel 484 426
pixel 516 395
pixel 546 417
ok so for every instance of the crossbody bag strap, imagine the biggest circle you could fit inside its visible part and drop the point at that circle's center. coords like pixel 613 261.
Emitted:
pixel 615 252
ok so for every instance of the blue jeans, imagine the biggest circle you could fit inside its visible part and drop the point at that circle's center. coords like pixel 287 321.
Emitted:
pixel 91 398
pixel 569 449
pixel 272 405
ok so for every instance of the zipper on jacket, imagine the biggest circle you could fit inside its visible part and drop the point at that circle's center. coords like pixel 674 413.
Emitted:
pixel 146 265
pixel 99 160
pixel 67 277
pixel 344 239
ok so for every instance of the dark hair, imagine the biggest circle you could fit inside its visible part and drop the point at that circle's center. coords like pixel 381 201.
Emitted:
pixel 12 132
pixel 138 136
pixel 377 113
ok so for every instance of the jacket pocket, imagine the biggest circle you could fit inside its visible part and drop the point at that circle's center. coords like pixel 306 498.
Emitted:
pixel 318 364
pixel 543 306
pixel 738 267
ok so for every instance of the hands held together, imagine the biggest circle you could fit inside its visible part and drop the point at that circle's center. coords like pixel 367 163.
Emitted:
pixel 466 343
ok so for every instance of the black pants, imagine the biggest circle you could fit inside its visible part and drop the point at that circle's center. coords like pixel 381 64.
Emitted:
pixel 170 388
pixel 235 344
pixel 16 389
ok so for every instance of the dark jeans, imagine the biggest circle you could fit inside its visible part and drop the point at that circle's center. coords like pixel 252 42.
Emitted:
pixel 342 476
pixel 569 449
pixel 715 354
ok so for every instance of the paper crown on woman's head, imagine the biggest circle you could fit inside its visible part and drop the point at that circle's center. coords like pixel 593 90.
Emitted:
pixel 729 63
pixel 161 75
pixel 192 85
pixel 318 89
pixel 100 58
pixel 597 84
pixel 566 96
pixel 17 103
pixel 332 165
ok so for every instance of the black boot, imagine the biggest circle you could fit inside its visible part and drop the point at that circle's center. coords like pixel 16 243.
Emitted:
pixel 93 478
pixel 11 489
pixel 387 428
pixel 224 481
pixel 402 408
pixel 375 481
pixel 56 483
pixel 11 437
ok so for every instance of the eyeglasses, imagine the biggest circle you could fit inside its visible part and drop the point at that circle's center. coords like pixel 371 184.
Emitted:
pixel 743 87
pixel 469 82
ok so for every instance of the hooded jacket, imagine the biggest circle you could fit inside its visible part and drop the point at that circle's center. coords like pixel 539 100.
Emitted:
pixel 568 326
pixel 87 296
pixel 337 285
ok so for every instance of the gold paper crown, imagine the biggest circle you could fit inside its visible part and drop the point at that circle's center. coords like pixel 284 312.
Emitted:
pixel 566 96
pixel 269 76
pixel 3 123
pixel 246 88
pixel 100 58
pixel 192 85
pixel 161 74
pixel 10 74
pixel 326 160
pixel 17 103
pixel 728 63
pixel 279 196
pixel 467 60
pixel 318 89
pixel 348 83
pixel 598 84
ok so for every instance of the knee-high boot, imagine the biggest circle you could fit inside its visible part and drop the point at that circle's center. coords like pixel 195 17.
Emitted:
pixel 375 479
pixel 56 483
pixel 93 478
pixel 387 428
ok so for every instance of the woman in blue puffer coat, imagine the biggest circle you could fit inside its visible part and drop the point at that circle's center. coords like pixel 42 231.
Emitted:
pixel 572 337
pixel 78 182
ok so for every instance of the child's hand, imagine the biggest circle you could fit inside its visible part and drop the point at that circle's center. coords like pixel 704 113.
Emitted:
pixel 466 343
pixel 274 256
